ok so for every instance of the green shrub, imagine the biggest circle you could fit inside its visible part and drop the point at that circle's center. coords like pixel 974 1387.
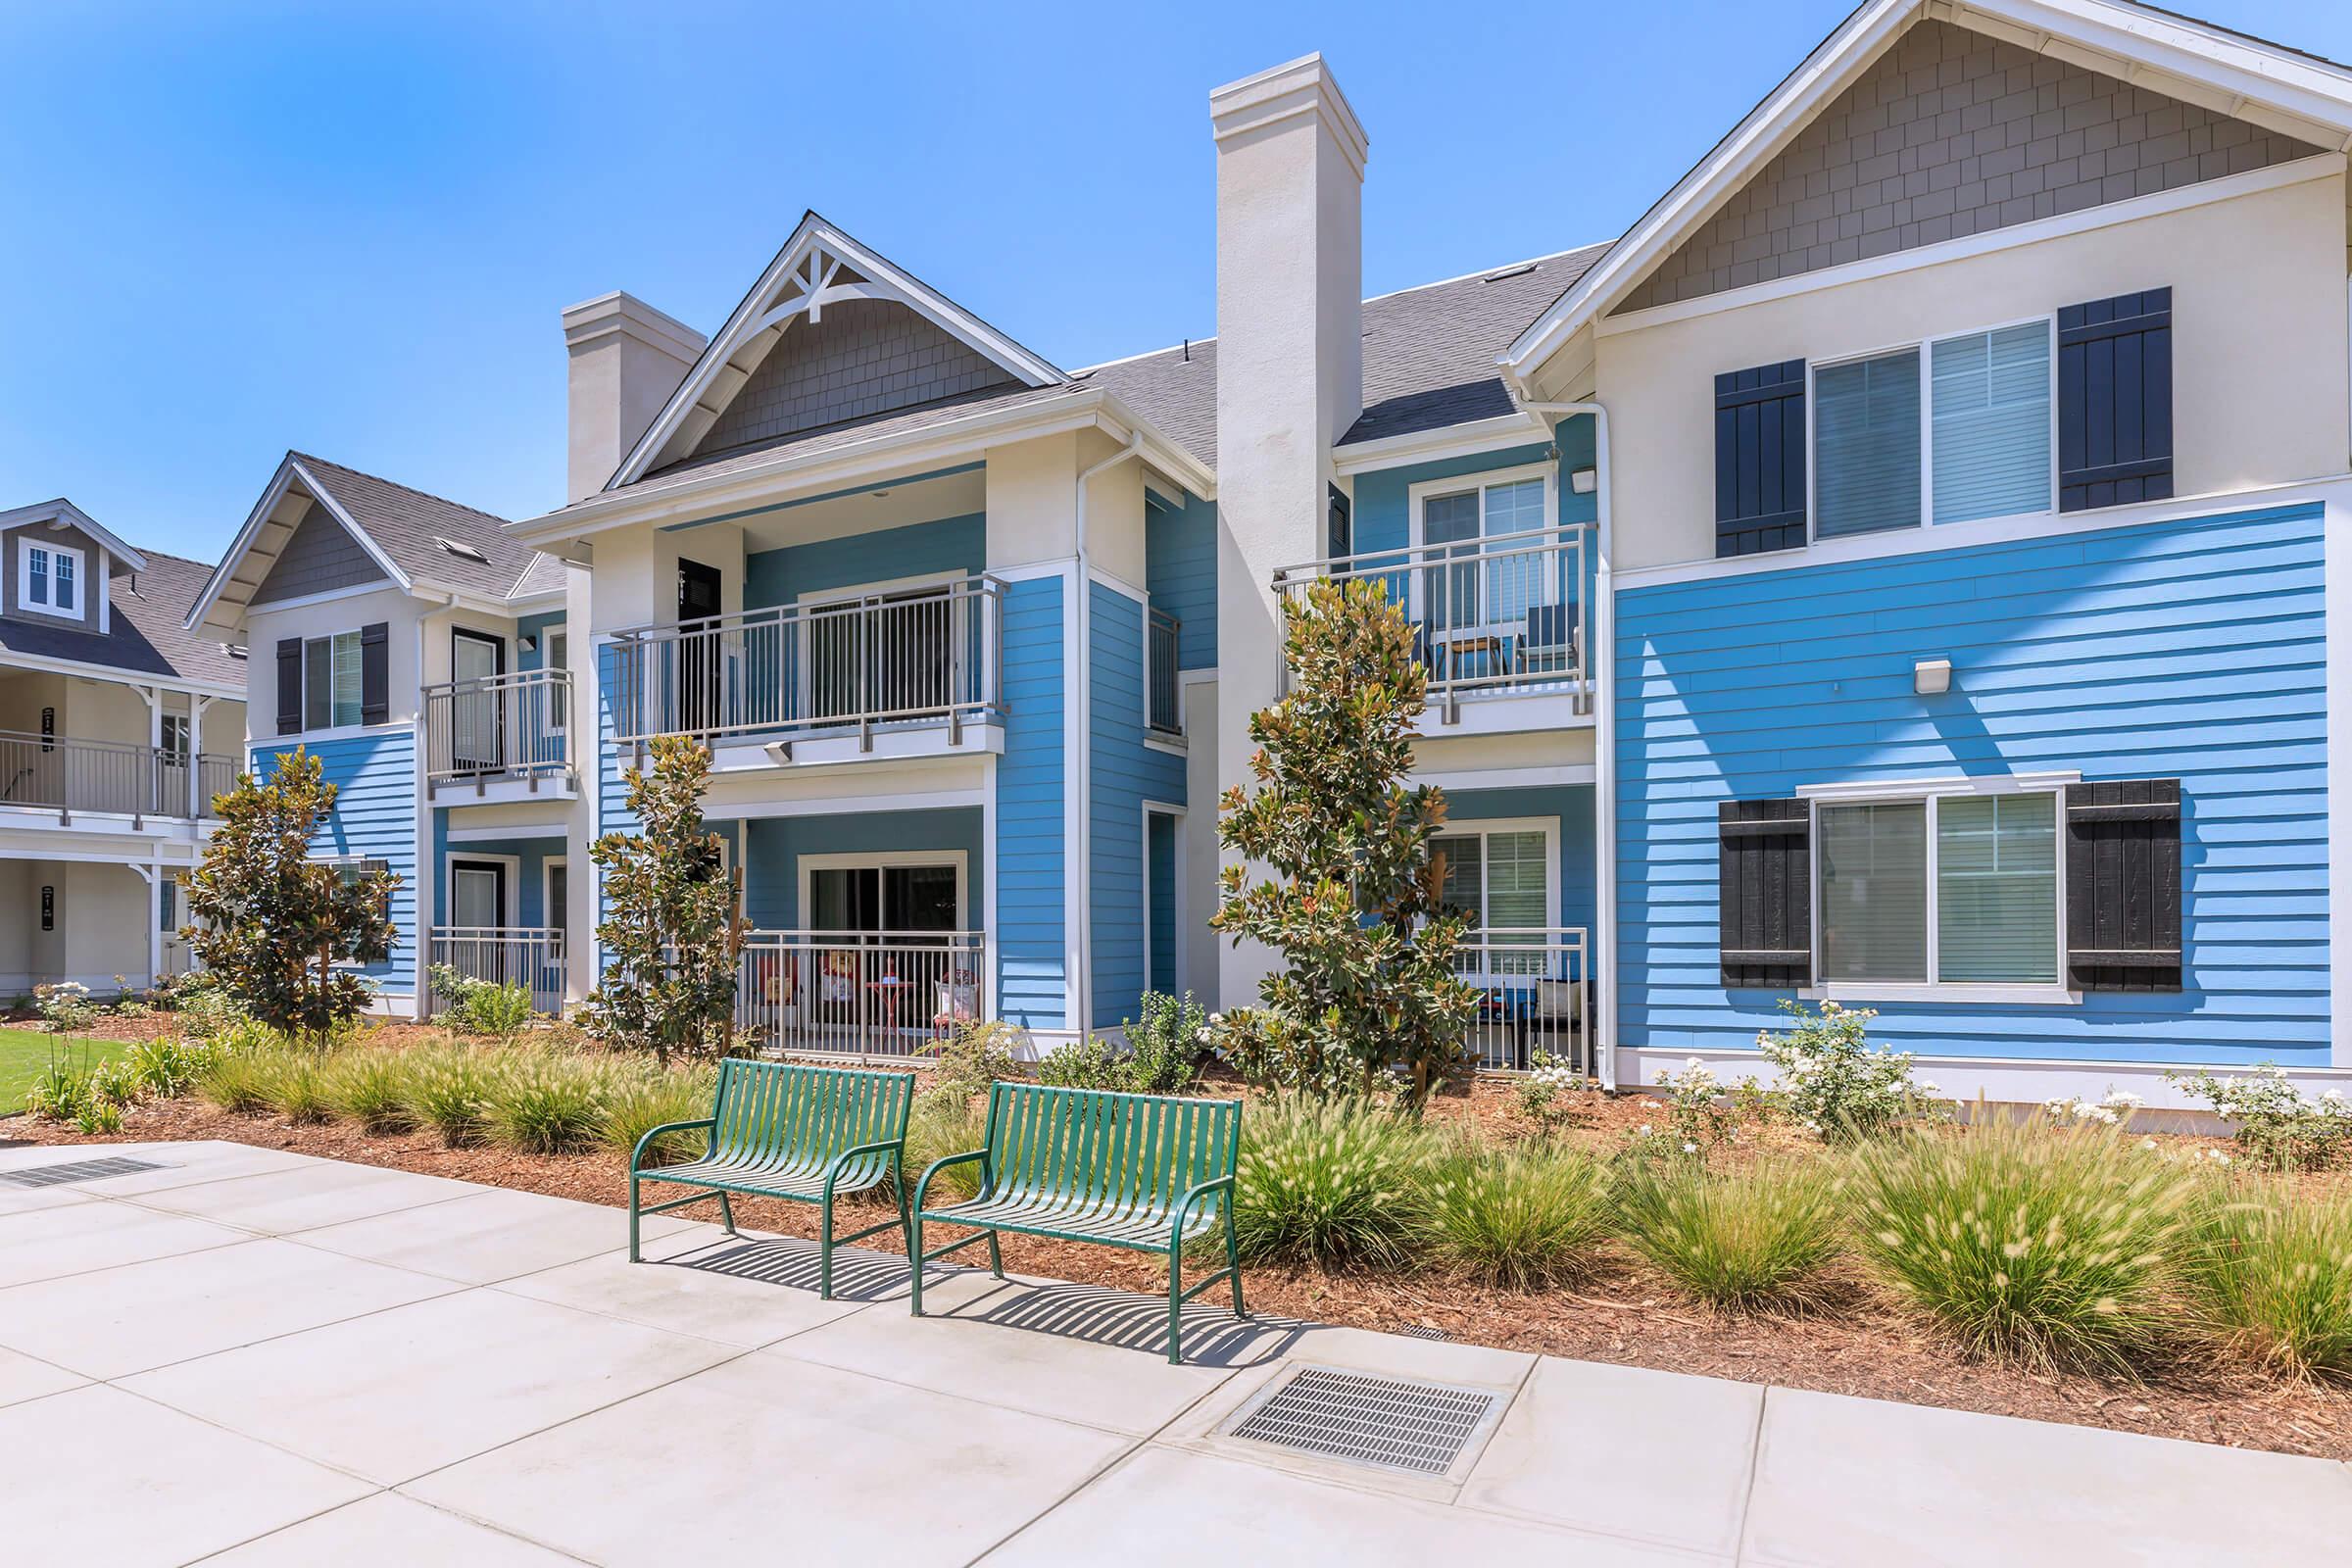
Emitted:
pixel 236 1077
pixel 1329 1182
pixel 943 1122
pixel 165 1067
pixel 98 1117
pixel 60 1092
pixel 2278 1127
pixel 371 1088
pixel 1746 1241
pixel 294 1085
pixel 1547 1095
pixel 2046 1248
pixel 487 1007
pixel 448 1088
pixel 114 1083
pixel 972 1059
pixel 638 1101
pixel 1089 1064
pixel 1165 1044
pixel 2274 1270
pixel 547 1105
pixel 207 1013
pixel 1520 1217
pixel 1831 1079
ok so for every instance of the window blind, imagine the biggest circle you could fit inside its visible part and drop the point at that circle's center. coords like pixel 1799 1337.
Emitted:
pixel 1513 580
pixel 1866 445
pixel 1992 422
pixel 1874 892
pixel 1996 888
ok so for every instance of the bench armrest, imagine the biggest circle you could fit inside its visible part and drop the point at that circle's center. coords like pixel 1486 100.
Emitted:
pixel 1222 1184
pixel 842 1159
pixel 637 1154
pixel 936 1166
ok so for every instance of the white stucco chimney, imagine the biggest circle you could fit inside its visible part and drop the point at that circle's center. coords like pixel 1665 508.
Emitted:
pixel 626 360
pixel 1289 372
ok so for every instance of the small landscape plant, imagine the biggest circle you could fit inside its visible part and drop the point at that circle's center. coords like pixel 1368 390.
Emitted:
pixel 2049 1248
pixel 294 1085
pixel 165 1067
pixel 2274 1269
pixel 976 1055
pixel 65 1006
pixel 1751 1240
pixel 489 1009
pixel 547 1105
pixel 1330 1182
pixel 945 1121
pixel 1834 1081
pixel 1521 1218
pixel 1547 1095
pixel 60 1092
pixel 2278 1127
pixel 1699 1118
pixel 640 1100
pixel 448 1088
pixel 370 1087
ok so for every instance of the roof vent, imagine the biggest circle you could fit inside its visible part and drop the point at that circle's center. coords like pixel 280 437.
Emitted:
pixel 1521 270
pixel 463 552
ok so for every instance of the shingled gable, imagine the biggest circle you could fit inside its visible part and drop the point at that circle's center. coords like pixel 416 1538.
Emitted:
pixel 832 332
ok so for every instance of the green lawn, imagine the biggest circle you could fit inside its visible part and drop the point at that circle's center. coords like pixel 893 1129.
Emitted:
pixel 26 1054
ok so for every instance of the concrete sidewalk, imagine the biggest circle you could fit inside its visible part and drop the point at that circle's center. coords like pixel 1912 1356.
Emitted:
pixel 254 1357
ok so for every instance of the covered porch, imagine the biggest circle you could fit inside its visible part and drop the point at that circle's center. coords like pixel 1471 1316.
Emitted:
pixel 500 910
pixel 1521 861
pixel 108 922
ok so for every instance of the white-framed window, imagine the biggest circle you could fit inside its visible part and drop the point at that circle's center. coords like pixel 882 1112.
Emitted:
pixel 331 681
pixel 1506 873
pixel 175 736
pixel 1948 429
pixel 1476 516
pixel 881 892
pixel 50 580
pixel 1951 887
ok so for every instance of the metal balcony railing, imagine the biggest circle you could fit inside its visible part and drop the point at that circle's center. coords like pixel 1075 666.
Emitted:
pixel 518 725
pixel 1534 989
pixel 916 656
pixel 1501 613
pixel 856 993
pixel 1163 706
pixel 61 774
pixel 531 956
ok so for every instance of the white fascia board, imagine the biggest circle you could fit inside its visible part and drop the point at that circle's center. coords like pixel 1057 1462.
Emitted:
pixel 749 319
pixel 1121 421
pixel 288 473
pixel 1465 440
pixel 63 511
pixel 2237 74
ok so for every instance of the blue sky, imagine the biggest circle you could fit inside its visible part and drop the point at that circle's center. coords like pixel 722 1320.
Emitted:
pixel 349 228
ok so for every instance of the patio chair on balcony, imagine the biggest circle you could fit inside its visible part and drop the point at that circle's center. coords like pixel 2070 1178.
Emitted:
pixel 1549 646
pixel 958 1004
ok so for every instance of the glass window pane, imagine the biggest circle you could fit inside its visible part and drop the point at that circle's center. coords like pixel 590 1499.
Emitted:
pixel 347 677
pixel 1991 437
pixel 65 581
pixel 1465 886
pixel 1874 892
pixel 317 683
pixel 1866 445
pixel 1515 577
pixel 1515 880
pixel 1450 594
pixel 36 577
pixel 1996 888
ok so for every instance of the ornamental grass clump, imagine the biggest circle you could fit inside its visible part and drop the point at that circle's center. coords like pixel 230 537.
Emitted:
pixel 547 1105
pixel 371 1088
pixel 636 1101
pixel 1334 1183
pixel 945 1121
pixel 293 1083
pixel 2273 1269
pixel 1519 1217
pixel 448 1088
pixel 2048 1248
pixel 1760 1238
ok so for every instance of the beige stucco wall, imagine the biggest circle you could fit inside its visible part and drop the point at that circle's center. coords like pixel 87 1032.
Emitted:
pixel 2259 332
pixel 1033 501
pixel 265 628
pixel 102 916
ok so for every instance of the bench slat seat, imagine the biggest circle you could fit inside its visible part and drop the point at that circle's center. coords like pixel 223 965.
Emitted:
pixel 1147 1172
pixel 789 1130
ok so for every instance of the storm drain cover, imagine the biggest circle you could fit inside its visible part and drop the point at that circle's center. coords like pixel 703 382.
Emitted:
pixel 1395 1424
pixel 79 1170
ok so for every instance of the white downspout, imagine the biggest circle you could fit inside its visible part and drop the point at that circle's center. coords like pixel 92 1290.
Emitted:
pixel 1083 881
pixel 1604 737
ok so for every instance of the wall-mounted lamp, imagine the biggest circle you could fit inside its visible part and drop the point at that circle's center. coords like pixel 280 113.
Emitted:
pixel 1583 482
pixel 529 645
pixel 1932 677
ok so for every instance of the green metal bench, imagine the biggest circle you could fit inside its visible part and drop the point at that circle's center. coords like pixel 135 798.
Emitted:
pixel 780 1129
pixel 1137 1171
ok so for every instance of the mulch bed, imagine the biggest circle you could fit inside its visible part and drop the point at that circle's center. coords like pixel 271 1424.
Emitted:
pixel 1623 1312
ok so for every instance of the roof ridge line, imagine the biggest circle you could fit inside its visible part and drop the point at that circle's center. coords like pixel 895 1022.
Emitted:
pixel 363 473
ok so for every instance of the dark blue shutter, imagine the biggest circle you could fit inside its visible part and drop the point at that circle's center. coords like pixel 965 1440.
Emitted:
pixel 290 685
pixel 2114 401
pixel 1760 459
pixel 1764 894
pixel 376 672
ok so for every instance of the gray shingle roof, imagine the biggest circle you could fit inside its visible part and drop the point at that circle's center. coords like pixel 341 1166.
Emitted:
pixel 1429 356
pixel 408 524
pixel 144 636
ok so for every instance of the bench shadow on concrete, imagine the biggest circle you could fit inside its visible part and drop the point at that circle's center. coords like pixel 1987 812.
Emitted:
pixel 1094 1313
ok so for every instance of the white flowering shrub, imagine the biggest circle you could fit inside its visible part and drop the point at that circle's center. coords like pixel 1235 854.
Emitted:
pixel 1548 1094
pixel 2279 1126
pixel 1700 1120
pixel 64 1005
pixel 1831 1079
pixel 2112 1109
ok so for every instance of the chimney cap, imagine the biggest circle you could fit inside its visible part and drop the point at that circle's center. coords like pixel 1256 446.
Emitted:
pixel 623 312
pixel 1292 89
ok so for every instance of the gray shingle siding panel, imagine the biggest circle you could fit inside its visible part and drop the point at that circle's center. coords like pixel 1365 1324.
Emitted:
pixel 320 556
pixel 11 591
pixel 1952 133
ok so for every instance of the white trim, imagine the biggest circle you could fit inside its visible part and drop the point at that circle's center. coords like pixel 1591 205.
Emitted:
pixel 1118 585
pixel 47 606
pixel 1077 814
pixel 990 863
pixel 325 596
pixel 511 884
pixel 1160 743
pixel 1507 778
pixel 842 805
pixel 289 470
pixel 1903 991
pixel 1890 542
pixel 1176 814
pixel 2336 602
pixel 1480 827
pixel 499 833
pixel 1469 439
pixel 877 860
pixel 62 511
pixel 1919 789
pixel 317 737
pixel 2156 204
pixel 114 674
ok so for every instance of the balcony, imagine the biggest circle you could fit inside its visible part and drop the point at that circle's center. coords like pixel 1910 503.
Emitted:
pixel 505 738
pixel 47 774
pixel 892 673
pixel 531 956
pixel 867 994
pixel 1163 705
pixel 1502 616
pixel 1535 988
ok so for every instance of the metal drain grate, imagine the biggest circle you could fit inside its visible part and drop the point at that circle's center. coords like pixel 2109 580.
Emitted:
pixel 79 1170
pixel 1387 1422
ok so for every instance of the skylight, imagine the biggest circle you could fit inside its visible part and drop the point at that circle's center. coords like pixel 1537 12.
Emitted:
pixel 463 552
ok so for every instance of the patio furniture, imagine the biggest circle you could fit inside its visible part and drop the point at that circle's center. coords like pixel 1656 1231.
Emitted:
pixel 1549 646
pixel 958 1003
pixel 1140 1172
pixel 782 1129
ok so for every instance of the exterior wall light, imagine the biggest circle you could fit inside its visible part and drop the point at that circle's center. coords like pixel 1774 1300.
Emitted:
pixel 1583 482
pixel 1932 677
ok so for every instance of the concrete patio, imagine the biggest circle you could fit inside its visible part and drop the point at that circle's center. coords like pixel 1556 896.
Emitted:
pixel 254 1357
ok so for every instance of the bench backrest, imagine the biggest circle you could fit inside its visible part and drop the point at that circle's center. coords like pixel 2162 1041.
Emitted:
pixel 1132 1152
pixel 787 1114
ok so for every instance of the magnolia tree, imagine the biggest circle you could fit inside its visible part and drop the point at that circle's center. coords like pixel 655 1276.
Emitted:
pixel 672 931
pixel 277 927
pixel 1350 895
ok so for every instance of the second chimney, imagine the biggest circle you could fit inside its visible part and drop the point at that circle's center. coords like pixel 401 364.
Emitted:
pixel 626 360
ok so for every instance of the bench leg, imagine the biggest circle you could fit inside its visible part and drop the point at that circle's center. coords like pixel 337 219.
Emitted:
pixel 824 1249
pixel 1176 1305
pixel 726 1213
pixel 633 1258
pixel 1233 1259
pixel 915 1257
pixel 996 1256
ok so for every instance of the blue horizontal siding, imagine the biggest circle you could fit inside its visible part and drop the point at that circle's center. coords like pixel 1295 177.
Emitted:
pixel 1180 571
pixel 773 845
pixel 918 549
pixel 2190 649
pixel 1123 773
pixel 1032 960
pixel 531 885
pixel 374 815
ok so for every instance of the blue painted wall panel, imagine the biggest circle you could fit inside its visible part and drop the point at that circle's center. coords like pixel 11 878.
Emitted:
pixel 918 550
pixel 1125 773
pixel 374 815
pixel 1032 958
pixel 2191 649
pixel 1570 808
pixel 534 627
pixel 773 847
pixel 1159 864
pixel 1180 572
pixel 529 892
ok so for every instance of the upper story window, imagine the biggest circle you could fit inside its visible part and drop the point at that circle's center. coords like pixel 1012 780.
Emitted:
pixel 331 681
pixel 1460 520
pixel 50 578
